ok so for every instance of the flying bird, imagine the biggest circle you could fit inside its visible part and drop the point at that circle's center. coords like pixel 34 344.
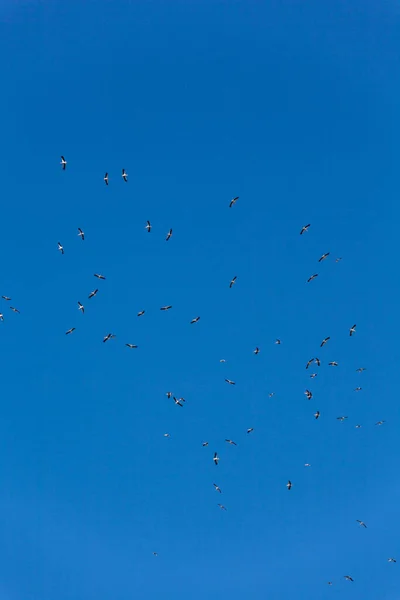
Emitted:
pixel 63 163
pixel 195 320
pixel 233 281
pixel 352 330
pixel 92 294
pixel 81 234
pixel 230 382
pixel 341 419
pixel 15 309
pixel 348 578
pixel 380 423
pixel 81 307
pixel 131 346
pixel 217 489
pixel 361 523
pixel 216 458
pixel 166 307
pixel 204 444
pixel 140 313
pixel 233 201
pixel 6 298
pixel 308 394
pixel 222 507
pixel 312 277
pixel 317 414
pixel 231 442
pixel 333 363
pixel 289 485
pixel 360 369
pixel 250 430
pixel 148 226
pixel 307 465
pixel 178 401
pixel 277 341
pixel 167 435
pixel 313 375
pixel 1 317
pixel 99 276
pixel 168 394
pixel 124 175
pixel 70 331
pixel 324 256
pixel 61 249
pixel 317 361
pixel 305 228
pixel 155 554
pixel 324 341
pixel 338 259
pixel 393 560
pixel 222 360
pixel 169 234
pixel 309 362
pixel 357 389
pixel 358 426
pixel 106 178
pixel 271 394
pixel 256 351
pixel 108 337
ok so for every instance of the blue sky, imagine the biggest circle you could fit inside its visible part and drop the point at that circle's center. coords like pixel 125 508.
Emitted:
pixel 293 107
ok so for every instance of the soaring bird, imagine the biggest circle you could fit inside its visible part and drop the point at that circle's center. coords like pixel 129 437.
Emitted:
pixel 106 178
pixel 271 394
pixel 357 389
pixel 317 361
pixel 358 426
pixel 131 346
pixel 61 249
pixel 305 228
pixel 222 507
pixel 177 401
pixel 393 560
pixel 140 313
pixel 307 465
pixel 195 320
pixel 70 330
pixel 338 259
pixel 166 307
pixel 63 163
pixel 324 256
pixel 1 317
pixel 231 442
pixel 148 226
pixel 92 294
pixel 324 341
pixel 257 350
pixel 81 234
pixel 233 201
pixel 108 337
pixel 361 523
pixel 167 435
pixel 312 277
pixel 15 309
pixel 348 578
pixel 168 394
pixel 333 363
pixel 317 414
pixel 313 375
pixel 204 444
pixel 380 423
pixel 216 459
pixel 81 307
pixel 155 554
pixel 277 341
pixel 230 381
pixel 124 175
pixel 233 281
pixel 250 429
pixel 6 298
pixel 308 394
pixel 360 369
pixel 99 276
pixel 217 489
pixel 352 330
pixel 169 234
pixel 341 419
pixel 309 362
pixel 289 485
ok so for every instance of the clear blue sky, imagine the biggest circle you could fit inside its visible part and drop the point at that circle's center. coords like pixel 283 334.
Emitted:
pixel 293 107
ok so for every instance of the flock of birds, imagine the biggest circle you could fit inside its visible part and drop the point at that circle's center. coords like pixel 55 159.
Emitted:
pixel 179 401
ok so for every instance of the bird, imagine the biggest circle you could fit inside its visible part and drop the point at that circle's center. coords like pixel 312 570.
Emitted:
pixel 63 163
pixel 81 234
pixel 177 401
pixel 380 423
pixel 204 444
pixel 341 418
pixel 106 178
pixel 329 582
pixel 230 382
pixel 233 281
pixel 312 277
pixel 271 394
pixel 250 430
pixel 324 256
pixel 167 435
pixel 317 414
pixel 308 394
pixel 217 489
pixel 1 317
pixel 313 375
pixel 231 442
pixel 148 226
pixel 61 249
pixel 166 307
pixel 317 361
pixel 222 507
pixel 99 276
pixel 358 426
pixel 70 330
pixel 357 389
pixel 140 313
pixel 216 459
pixel 108 337
pixel 277 341
pixel 195 320
pixel 222 360
pixel 333 363
pixel 233 201
pixel 81 307
pixel 309 362
pixel 360 369
pixel 15 309
pixel 307 465
pixel 169 234
pixel 6 298
pixel 289 485
pixel 256 351
pixel 131 345
pixel 392 560
pixel 348 578
pixel 352 330
pixel 92 294
pixel 305 228
pixel 168 394
pixel 361 523
pixel 155 554
pixel 324 341
pixel 124 175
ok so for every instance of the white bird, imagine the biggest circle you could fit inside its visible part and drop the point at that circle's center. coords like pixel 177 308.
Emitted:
pixel 61 249
pixel 307 465
pixel 92 294
pixel 177 401
pixel 233 281
pixel 166 307
pixel 310 362
pixel 230 382
pixel 222 507
pixel 81 307
pixel 289 485
pixel 108 337
pixel 63 163
pixel 324 256
pixel 99 276
pixel 392 560
pixel 15 310
pixel 313 375
pixel 358 426
pixel 277 341
pixel 324 341
pixel 360 369
pixel 380 423
pixel 204 444
pixel 357 389
pixel 333 363
pixel 169 234
pixel 233 201
pixel 352 330
pixel 168 394
pixel 312 277
pixel 140 313
pixel 155 554
pixel 148 226
pixel 124 175
pixel 271 394
pixel 361 523
pixel 231 442
pixel 222 360
pixel 250 430
pixel 338 259
pixel 317 414
pixel 167 435
pixel 106 178
pixel 195 320
pixel 308 394
pixel 305 228
pixel 70 330
pixel 348 578
pixel 341 419
pixel 131 346
pixel 216 459
pixel 217 489
pixel 317 361
pixel 257 350
pixel 6 298
pixel 1 317
pixel 81 234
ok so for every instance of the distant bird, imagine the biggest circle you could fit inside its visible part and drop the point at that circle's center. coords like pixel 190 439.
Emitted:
pixel 231 442
pixel 357 389
pixel 167 435
pixel 329 582
pixel 1 317
pixel 70 331
pixel 256 351
pixel 155 554
pixel 333 363
pixel 338 259
pixel 230 382
pixel 81 307
pixel 360 369
pixel 148 226
pixel 169 234
pixel 312 277
pixel 307 465
pixel 177 401
pixel 289 485
pixel 140 313
pixel 63 163
pixel 308 394
pixel 341 418
pixel 324 341
pixel 393 560
pixel 380 423
pixel 358 426
pixel 108 337
pixel 99 276
pixel 233 281
pixel 313 375
pixel 15 310
pixel 166 307
pixel 222 507
pixel 348 578
pixel 106 178
pixel 361 523
pixel 217 489
pixel 317 361
pixel 317 414
pixel 305 228
pixel 309 362
pixel 6 298
pixel 168 394
pixel 250 430
pixel 216 458
pixel 92 294
pixel 277 341
pixel 204 444
pixel 324 256
pixel 195 320
pixel 131 346
pixel 61 249
pixel 352 330
pixel 222 360
pixel 271 394
pixel 81 234
pixel 233 201
pixel 124 175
